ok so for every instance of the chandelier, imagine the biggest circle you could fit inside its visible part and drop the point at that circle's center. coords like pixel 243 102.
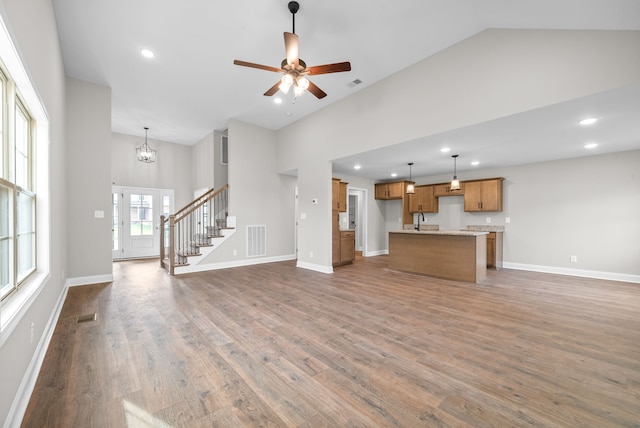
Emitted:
pixel 145 153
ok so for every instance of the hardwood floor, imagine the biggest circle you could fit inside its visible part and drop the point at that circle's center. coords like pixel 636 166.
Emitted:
pixel 272 345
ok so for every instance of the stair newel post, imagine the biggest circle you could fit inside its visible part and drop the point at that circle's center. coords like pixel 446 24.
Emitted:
pixel 226 205
pixel 162 240
pixel 172 246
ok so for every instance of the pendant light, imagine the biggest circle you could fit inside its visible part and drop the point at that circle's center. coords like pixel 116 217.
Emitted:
pixel 410 187
pixel 145 153
pixel 455 183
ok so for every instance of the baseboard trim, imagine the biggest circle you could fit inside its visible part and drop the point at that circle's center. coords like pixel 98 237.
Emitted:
pixel 226 265
pixel 314 267
pixel 23 395
pixel 86 280
pixel 375 253
pixel 611 276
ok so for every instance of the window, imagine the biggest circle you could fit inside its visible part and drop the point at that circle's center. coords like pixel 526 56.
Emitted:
pixel 224 150
pixel 17 190
pixel 141 218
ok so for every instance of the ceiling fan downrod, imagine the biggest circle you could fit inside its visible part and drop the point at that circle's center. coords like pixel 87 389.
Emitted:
pixel 294 6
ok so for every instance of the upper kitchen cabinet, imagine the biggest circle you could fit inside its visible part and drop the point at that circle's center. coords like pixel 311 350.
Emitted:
pixel 342 197
pixel 423 200
pixel 339 195
pixel 335 194
pixel 391 190
pixel 483 195
pixel 444 189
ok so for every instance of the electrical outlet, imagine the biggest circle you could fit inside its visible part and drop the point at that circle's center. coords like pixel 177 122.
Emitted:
pixel 507 219
pixel 488 219
pixel 310 254
pixel 574 259
pixel 235 252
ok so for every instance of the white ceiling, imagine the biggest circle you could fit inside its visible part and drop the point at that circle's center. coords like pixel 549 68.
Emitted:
pixel 192 87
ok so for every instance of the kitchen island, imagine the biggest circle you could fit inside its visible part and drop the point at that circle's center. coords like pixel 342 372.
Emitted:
pixel 451 254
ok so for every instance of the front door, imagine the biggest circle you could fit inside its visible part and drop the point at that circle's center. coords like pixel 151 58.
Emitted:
pixel 136 221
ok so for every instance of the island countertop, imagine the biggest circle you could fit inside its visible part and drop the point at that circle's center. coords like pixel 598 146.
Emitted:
pixel 452 254
pixel 442 232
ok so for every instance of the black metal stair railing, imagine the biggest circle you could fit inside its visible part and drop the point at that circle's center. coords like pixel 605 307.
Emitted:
pixel 193 226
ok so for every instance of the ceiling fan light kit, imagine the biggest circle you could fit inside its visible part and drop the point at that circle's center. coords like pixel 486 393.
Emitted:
pixel 294 69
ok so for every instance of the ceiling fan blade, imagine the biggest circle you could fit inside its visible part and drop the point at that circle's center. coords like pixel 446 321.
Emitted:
pixel 330 68
pixel 272 90
pixel 291 47
pixel 319 93
pixel 258 66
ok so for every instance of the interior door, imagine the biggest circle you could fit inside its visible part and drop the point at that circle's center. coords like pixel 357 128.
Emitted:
pixel 136 221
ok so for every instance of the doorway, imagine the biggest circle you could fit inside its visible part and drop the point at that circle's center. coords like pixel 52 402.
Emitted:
pixel 357 207
pixel 135 222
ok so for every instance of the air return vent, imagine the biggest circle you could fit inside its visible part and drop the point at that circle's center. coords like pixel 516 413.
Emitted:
pixel 256 240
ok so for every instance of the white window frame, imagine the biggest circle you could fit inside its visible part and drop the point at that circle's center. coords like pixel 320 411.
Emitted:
pixel 15 305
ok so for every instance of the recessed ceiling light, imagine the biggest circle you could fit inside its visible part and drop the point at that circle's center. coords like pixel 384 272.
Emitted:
pixel 357 166
pixel 277 100
pixel 591 145
pixel 588 121
pixel 147 53
pixel 288 113
pixel 475 163
pixel 445 149
pixel 394 174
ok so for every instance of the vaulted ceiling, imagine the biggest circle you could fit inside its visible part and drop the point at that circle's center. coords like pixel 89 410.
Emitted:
pixel 191 86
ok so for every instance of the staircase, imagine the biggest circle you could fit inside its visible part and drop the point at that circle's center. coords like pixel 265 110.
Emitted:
pixel 194 230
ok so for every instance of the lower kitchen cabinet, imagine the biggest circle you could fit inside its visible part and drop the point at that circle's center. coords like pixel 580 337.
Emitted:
pixel 347 246
pixel 494 250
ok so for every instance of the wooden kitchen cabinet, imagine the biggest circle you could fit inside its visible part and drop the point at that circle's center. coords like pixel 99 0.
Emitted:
pixel 396 190
pixel 335 194
pixel 342 197
pixel 347 246
pixel 494 250
pixel 483 195
pixel 343 242
pixel 423 200
pixel 392 190
pixel 444 189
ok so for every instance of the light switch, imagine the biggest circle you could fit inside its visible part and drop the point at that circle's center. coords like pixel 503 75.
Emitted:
pixel 98 214
pixel 303 216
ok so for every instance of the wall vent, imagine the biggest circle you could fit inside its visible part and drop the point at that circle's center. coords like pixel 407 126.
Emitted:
pixel 257 240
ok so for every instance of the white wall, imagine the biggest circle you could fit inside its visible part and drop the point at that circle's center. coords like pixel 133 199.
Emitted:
pixel 376 223
pixel 493 74
pixel 258 195
pixel 171 170
pixel 588 207
pixel 88 180
pixel 206 157
pixel 32 27
pixel 203 164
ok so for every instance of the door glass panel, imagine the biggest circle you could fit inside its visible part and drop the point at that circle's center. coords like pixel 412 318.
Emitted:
pixel 115 230
pixel 141 218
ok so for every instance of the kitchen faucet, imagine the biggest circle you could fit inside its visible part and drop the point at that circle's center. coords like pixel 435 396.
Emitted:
pixel 418 226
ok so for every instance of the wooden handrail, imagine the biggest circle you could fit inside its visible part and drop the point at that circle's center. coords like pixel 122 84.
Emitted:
pixel 197 199
pixel 202 202
pixel 192 227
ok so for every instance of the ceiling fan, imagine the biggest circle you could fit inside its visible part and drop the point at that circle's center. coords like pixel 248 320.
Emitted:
pixel 294 69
